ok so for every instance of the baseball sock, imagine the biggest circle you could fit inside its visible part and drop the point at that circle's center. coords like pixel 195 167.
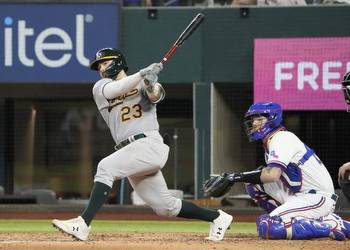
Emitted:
pixel 98 196
pixel 192 211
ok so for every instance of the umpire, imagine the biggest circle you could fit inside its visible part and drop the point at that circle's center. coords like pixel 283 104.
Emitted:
pixel 344 170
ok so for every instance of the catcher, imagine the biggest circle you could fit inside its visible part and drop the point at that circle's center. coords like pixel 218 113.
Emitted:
pixel 294 188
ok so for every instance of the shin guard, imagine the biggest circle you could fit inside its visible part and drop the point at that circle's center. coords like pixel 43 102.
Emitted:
pixel 299 228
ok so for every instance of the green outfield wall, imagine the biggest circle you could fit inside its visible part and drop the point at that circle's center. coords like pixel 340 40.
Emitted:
pixel 222 49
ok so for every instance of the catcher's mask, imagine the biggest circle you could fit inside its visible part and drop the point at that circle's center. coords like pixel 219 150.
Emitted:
pixel 118 64
pixel 346 88
pixel 273 114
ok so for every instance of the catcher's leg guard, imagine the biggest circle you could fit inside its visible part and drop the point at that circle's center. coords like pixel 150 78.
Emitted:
pixel 261 198
pixel 303 229
pixel 271 227
pixel 298 229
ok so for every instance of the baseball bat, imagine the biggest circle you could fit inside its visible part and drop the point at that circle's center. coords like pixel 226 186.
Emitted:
pixel 184 36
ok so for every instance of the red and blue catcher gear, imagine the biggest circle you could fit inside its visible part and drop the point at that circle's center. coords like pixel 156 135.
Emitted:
pixel 272 111
pixel 299 229
pixel 293 177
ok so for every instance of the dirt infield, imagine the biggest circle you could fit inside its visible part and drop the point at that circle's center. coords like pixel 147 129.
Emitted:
pixel 148 241
pixel 157 241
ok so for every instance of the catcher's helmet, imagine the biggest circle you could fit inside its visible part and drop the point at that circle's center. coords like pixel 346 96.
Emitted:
pixel 118 64
pixel 346 87
pixel 272 111
pixel 345 185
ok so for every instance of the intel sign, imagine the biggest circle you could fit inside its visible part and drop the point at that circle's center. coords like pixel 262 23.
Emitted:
pixel 54 43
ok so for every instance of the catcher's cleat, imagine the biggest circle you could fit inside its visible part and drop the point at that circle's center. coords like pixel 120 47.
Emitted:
pixel 346 228
pixel 337 235
pixel 75 227
pixel 338 227
pixel 219 226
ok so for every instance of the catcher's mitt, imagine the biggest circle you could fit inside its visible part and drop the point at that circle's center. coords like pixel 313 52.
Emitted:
pixel 218 185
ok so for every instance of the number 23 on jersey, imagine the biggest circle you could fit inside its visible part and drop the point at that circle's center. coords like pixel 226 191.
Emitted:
pixel 130 112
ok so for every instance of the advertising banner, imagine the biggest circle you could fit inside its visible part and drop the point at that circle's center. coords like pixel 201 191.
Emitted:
pixel 301 73
pixel 53 43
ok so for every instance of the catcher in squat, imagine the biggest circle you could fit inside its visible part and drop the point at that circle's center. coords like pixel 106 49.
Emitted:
pixel 128 106
pixel 294 188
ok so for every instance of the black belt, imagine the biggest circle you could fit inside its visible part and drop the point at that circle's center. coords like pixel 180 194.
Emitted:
pixel 333 197
pixel 129 140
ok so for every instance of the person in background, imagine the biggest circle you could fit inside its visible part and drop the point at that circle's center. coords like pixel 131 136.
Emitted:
pixel 149 3
pixel 243 2
pixel 346 91
pixel 281 3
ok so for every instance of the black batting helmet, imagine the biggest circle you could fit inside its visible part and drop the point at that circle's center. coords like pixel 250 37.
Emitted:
pixel 346 87
pixel 118 64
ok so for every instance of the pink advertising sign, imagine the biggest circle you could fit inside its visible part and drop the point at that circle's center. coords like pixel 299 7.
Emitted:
pixel 301 73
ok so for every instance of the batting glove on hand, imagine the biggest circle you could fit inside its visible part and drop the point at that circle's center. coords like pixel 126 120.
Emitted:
pixel 154 68
pixel 150 80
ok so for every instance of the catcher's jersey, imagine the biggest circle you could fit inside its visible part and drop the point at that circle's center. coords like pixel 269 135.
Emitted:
pixel 126 115
pixel 286 149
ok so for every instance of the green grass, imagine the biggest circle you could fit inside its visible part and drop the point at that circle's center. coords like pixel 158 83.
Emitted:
pixel 125 226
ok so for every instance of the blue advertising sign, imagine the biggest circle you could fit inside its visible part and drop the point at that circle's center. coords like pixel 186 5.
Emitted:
pixel 53 43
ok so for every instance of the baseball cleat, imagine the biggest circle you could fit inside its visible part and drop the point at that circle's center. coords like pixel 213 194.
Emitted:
pixel 337 226
pixel 219 226
pixel 75 227
pixel 346 228
pixel 337 235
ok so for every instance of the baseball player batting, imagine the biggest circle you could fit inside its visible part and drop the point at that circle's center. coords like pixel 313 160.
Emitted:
pixel 294 187
pixel 128 106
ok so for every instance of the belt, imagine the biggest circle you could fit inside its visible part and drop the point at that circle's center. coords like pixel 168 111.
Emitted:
pixel 333 196
pixel 129 140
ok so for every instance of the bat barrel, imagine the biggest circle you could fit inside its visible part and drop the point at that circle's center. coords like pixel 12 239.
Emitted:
pixel 190 28
pixel 184 35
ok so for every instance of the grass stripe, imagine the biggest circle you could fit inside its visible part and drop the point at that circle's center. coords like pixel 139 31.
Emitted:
pixel 125 226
